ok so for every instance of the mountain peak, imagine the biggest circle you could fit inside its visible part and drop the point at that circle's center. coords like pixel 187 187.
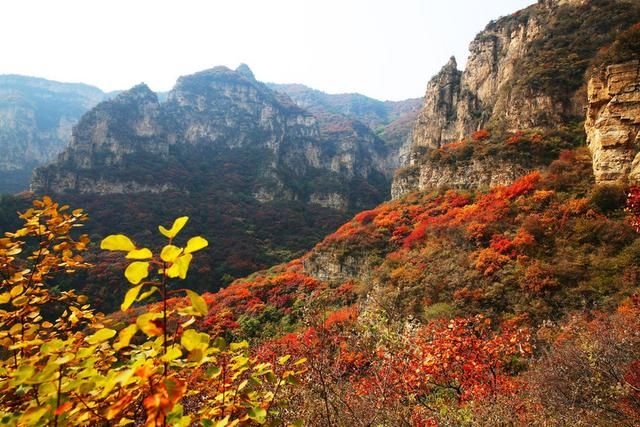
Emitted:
pixel 452 63
pixel 138 92
pixel 245 71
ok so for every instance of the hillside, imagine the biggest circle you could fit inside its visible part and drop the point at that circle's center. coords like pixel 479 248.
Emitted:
pixel 499 285
pixel 36 117
pixel 511 300
pixel 215 113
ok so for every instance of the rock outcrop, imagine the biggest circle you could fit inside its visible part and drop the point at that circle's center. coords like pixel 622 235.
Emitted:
pixel 613 123
pixel 513 81
pixel 128 141
pixel 475 173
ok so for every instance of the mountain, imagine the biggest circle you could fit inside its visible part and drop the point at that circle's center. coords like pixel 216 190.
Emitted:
pixel 253 170
pixel 36 118
pixel 127 145
pixel 524 87
pixel 392 121
pixel 499 286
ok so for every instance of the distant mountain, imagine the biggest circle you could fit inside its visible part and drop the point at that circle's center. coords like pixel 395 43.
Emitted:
pixel 392 121
pixel 126 145
pixel 36 117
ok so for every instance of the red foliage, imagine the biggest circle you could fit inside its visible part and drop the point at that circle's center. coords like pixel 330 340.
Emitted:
pixel 366 217
pixel 463 356
pixel 342 315
pixel 515 138
pixel 633 207
pixel 453 145
pixel 480 135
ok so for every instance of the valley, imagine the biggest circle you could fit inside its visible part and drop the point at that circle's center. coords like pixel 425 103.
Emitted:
pixel 469 258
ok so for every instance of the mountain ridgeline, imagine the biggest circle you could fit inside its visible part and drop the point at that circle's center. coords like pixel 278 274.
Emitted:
pixel 262 176
pixel 392 121
pixel 134 143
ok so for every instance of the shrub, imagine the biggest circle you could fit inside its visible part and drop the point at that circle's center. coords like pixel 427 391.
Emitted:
pixel 608 198
pixel 62 363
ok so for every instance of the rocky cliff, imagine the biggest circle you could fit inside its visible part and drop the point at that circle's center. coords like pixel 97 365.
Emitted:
pixel 525 72
pixel 613 123
pixel 391 121
pixel 128 144
pixel 36 118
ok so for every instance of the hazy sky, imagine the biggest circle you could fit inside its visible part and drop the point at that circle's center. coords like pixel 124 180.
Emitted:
pixel 387 49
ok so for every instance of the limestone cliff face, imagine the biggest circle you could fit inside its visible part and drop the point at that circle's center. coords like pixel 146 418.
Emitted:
pixel 113 129
pixel 457 103
pixel 524 72
pixel 613 123
pixel 122 145
pixel 104 137
pixel 329 266
pixel 475 173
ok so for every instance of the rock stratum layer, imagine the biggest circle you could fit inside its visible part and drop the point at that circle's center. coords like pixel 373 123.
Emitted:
pixel 613 123
pixel 134 143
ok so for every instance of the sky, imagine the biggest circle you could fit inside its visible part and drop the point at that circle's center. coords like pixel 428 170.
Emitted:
pixel 385 49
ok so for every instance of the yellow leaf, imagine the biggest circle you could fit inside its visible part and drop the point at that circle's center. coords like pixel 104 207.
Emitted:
pixel 100 336
pixel 198 303
pixel 20 301
pixel 222 423
pixel 170 253
pixel 175 228
pixel 143 253
pixel 16 290
pixel 147 294
pixel 147 324
pixel 117 242
pixel 130 297
pixel 180 267
pixel 124 337
pixel 5 298
pixel 238 345
pixel 173 353
pixel 195 244
pixel 192 340
pixel 136 271
pixel 283 359
pixel 32 415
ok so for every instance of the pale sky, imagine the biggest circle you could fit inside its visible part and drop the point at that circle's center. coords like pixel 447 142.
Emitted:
pixel 386 49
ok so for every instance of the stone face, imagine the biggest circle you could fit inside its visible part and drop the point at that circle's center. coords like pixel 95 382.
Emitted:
pixel 457 103
pixel 113 129
pixel 434 123
pixel 613 123
pixel 327 265
pixel 217 113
